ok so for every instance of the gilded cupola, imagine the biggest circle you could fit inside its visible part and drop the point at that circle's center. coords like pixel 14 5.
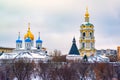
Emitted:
pixel 29 33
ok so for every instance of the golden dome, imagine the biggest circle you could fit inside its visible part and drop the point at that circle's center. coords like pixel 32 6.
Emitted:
pixel 29 33
pixel 86 13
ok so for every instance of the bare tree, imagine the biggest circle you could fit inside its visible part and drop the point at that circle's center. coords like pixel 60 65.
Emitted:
pixel 117 69
pixel 113 58
pixel 63 73
pixel 57 52
pixel 57 57
pixel 23 68
pixel 104 71
pixel 82 69
pixel 43 70
pixel 5 70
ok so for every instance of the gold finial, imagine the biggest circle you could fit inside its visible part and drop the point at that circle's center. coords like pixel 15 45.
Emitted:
pixel 86 13
pixel 29 33
pixel 29 26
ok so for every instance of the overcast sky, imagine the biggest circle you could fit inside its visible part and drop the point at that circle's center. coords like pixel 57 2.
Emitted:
pixel 59 21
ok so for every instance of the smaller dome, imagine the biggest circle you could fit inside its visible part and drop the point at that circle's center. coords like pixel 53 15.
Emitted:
pixel 18 41
pixel 28 40
pixel 29 33
pixel 39 41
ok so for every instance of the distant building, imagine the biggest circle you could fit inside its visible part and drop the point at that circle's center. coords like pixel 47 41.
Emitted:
pixel 107 52
pixel 6 50
pixel 118 52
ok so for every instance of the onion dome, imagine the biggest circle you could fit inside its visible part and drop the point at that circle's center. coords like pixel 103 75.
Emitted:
pixel 29 33
pixel 28 39
pixel 87 13
pixel 39 40
pixel 19 40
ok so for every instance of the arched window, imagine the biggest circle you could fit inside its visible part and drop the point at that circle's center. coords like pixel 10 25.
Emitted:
pixel 38 47
pixel 90 34
pixel 91 45
pixel 18 45
pixel 83 45
pixel 84 34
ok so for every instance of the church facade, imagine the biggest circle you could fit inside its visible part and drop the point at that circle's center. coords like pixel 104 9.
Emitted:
pixel 29 42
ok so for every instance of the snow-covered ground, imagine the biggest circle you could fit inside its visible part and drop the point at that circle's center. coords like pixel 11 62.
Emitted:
pixel 32 78
pixel 97 58
pixel 25 54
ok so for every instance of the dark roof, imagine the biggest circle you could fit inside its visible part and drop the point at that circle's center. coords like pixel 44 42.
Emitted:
pixel 74 49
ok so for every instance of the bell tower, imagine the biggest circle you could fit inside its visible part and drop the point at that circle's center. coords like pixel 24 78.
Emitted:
pixel 87 39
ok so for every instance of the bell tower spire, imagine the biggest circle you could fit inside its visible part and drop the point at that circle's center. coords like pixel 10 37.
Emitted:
pixel 86 15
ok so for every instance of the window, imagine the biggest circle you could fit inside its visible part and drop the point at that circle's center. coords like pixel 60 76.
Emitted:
pixel 90 34
pixel 84 34
pixel 91 45
pixel 83 45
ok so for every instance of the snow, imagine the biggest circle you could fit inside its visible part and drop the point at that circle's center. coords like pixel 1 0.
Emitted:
pixel 73 57
pixel 25 54
pixel 8 55
pixel 33 48
pixel 97 58
pixel 32 78
pixel 35 55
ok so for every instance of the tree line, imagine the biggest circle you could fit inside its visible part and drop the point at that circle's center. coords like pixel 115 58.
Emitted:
pixel 24 69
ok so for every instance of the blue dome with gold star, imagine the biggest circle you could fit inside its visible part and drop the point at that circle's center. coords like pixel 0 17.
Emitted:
pixel 39 40
pixel 28 39
pixel 18 41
